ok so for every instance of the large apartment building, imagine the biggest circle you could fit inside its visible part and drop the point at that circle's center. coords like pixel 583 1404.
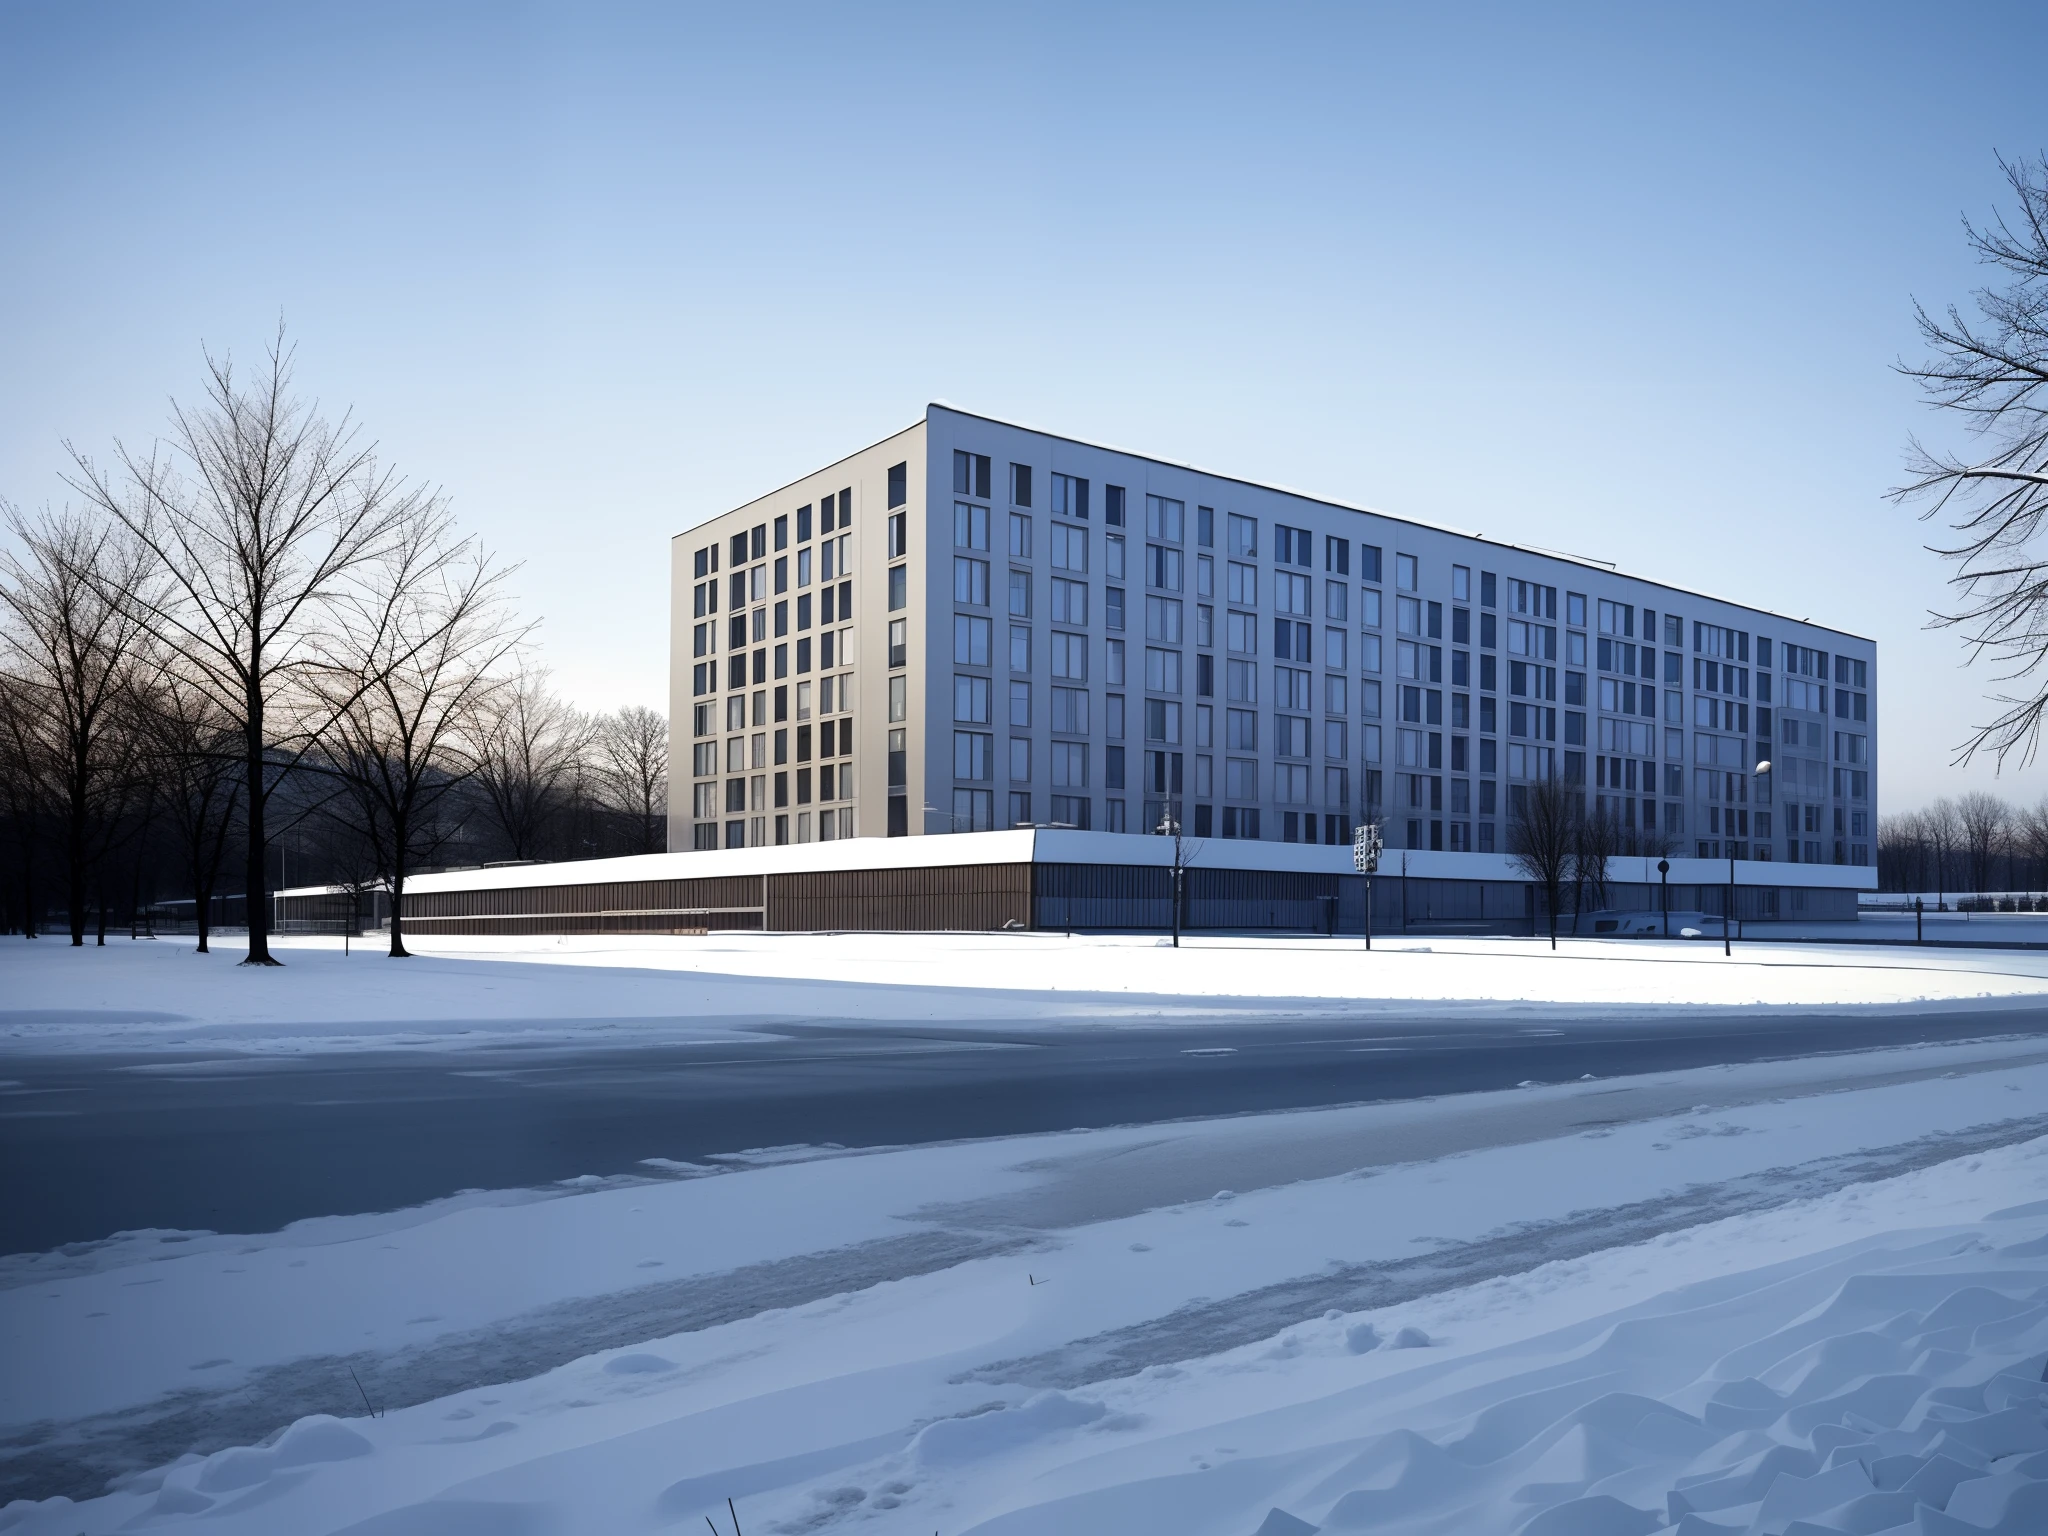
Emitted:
pixel 973 625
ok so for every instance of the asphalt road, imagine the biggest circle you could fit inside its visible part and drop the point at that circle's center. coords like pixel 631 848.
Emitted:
pixel 94 1145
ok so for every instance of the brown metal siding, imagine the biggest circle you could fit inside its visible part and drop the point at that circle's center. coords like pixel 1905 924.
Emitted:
pixel 626 906
pixel 957 898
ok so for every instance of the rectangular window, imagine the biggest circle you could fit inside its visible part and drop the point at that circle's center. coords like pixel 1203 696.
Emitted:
pixel 1020 485
pixel 1244 584
pixel 1162 670
pixel 970 526
pixel 970 581
pixel 970 699
pixel 1069 657
pixel 1069 548
pixel 1242 682
pixel 1162 568
pixel 1369 562
pixel 974 755
pixel 1244 536
pixel 1162 619
pixel 1070 711
pixel 1069 497
pixel 971 637
pixel 1113 505
pixel 1163 519
pixel 970 475
pixel 1020 761
pixel 1020 536
pixel 1112 607
pixel 1020 704
pixel 1069 601
pixel 1336 558
pixel 1407 573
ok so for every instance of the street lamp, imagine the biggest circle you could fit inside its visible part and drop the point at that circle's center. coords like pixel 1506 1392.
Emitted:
pixel 1366 844
pixel 1664 897
pixel 1169 826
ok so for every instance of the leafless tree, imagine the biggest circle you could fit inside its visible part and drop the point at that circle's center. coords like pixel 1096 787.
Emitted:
pixel 529 749
pixel 1542 839
pixel 1903 854
pixel 2030 833
pixel 192 750
pixel 1943 829
pixel 23 788
pixel 264 516
pixel 412 667
pixel 1596 838
pixel 630 763
pixel 1982 819
pixel 71 640
pixel 1993 372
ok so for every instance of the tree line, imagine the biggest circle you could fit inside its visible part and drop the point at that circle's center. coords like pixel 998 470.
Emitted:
pixel 1969 844
pixel 254 645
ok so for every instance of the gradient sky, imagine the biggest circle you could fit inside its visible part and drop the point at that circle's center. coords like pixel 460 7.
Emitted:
pixel 1626 281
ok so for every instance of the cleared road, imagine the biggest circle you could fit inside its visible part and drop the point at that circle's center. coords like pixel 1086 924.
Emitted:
pixel 95 1145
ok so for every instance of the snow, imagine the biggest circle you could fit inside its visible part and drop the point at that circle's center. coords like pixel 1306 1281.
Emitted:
pixel 462 992
pixel 1344 1315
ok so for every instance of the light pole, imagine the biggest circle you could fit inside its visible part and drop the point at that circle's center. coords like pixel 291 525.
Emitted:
pixel 1664 897
pixel 1366 844
pixel 1169 826
pixel 1728 914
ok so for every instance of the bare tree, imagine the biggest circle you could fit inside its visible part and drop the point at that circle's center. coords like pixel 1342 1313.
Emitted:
pixel 529 749
pixel 1902 852
pixel 72 640
pixel 262 515
pixel 192 749
pixel 1596 838
pixel 1993 372
pixel 1543 839
pixel 24 787
pixel 1944 832
pixel 630 760
pixel 2030 836
pixel 1982 819
pixel 404 684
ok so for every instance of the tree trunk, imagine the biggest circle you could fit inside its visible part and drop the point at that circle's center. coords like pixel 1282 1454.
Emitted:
pixel 401 830
pixel 74 869
pixel 257 877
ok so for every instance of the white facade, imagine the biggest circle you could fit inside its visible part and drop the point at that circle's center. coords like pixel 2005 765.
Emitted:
pixel 1029 630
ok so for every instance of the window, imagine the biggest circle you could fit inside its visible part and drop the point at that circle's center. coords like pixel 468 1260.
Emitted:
pixel 1162 619
pixel 1070 711
pixel 1368 653
pixel 1337 558
pixel 1020 485
pixel 970 526
pixel 1020 647
pixel 1162 568
pixel 1113 555
pixel 1113 505
pixel 970 581
pixel 1575 611
pixel 1407 573
pixel 1163 519
pixel 1333 647
pixel 1020 536
pixel 1020 594
pixel 970 699
pixel 1162 670
pixel 1408 615
pixel 1241 632
pixel 1070 764
pixel 1244 584
pixel 1241 680
pixel 1113 716
pixel 899 640
pixel 971 638
pixel 899 487
pixel 1020 704
pixel 1113 607
pixel 1069 656
pixel 970 477
pixel 1069 601
pixel 1069 496
pixel 1244 536
pixel 1336 694
pixel 1369 562
pixel 1290 592
pixel 1369 607
pixel 1162 720
pixel 974 754
pixel 1113 664
pixel 1069 548
pixel 1336 600
pixel 974 810
pixel 1293 546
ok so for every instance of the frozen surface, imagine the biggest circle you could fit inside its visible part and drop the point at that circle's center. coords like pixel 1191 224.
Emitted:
pixel 1758 1294
pixel 143 996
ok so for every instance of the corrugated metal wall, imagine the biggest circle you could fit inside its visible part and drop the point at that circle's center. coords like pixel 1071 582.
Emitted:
pixel 1102 896
pixel 626 906
pixel 955 898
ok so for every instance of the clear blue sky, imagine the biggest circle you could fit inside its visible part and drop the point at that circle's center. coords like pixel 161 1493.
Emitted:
pixel 1620 280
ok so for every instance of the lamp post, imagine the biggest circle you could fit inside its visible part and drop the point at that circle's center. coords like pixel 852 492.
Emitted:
pixel 1169 826
pixel 1664 892
pixel 1366 844
pixel 1728 914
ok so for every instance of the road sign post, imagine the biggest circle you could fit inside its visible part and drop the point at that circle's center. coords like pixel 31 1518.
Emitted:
pixel 1365 857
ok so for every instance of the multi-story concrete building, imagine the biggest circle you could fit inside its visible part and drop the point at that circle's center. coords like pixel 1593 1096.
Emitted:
pixel 973 625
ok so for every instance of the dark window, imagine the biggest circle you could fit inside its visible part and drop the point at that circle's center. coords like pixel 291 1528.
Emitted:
pixel 803 523
pixel 760 540
pixel 1113 768
pixel 1337 555
pixel 1368 562
pixel 703 563
pixel 781 570
pixel 846 509
pixel 1205 535
pixel 1205 676
pixel 899 816
pixel 899 587
pixel 899 484
pixel 1461 626
pixel 970 474
pixel 1113 505
pixel 782 531
pixel 1020 485
pixel 1487 598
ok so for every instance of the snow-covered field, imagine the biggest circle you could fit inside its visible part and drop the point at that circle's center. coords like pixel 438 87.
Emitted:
pixel 1730 1299
pixel 143 996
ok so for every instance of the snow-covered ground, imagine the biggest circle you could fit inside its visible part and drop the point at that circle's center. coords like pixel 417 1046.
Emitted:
pixel 144 996
pixel 1727 1299
pixel 1165 1328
